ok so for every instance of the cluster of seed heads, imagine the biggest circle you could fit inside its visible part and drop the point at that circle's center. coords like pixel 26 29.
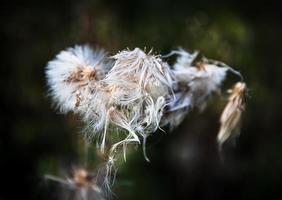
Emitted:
pixel 135 93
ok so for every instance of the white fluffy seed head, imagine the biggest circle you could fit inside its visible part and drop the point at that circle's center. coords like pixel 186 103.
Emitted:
pixel 201 79
pixel 139 81
pixel 147 72
pixel 195 82
pixel 72 72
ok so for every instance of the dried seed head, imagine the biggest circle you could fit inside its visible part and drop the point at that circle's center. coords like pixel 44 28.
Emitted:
pixel 231 115
pixel 148 73
pixel 206 79
pixel 74 71
pixel 137 84
pixel 135 92
pixel 194 84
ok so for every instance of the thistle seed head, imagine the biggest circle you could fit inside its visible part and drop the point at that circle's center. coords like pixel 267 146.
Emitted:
pixel 194 83
pixel 73 74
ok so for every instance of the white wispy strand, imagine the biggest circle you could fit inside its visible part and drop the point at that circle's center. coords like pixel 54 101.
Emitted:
pixel 178 107
pixel 96 111
pixel 71 73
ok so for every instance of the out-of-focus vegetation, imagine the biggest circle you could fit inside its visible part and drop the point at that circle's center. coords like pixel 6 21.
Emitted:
pixel 185 164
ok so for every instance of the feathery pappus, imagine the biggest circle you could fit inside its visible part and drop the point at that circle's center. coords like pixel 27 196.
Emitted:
pixel 126 90
pixel 138 83
pixel 72 75
pixel 195 82
pixel 231 116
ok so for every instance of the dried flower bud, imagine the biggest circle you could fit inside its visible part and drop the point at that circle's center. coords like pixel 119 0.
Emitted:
pixel 231 115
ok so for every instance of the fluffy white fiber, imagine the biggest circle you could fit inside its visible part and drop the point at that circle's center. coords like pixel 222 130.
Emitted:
pixel 138 83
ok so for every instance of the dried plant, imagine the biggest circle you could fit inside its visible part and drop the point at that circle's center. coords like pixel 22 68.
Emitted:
pixel 134 93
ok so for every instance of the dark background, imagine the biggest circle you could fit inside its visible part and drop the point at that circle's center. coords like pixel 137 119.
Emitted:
pixel 185 164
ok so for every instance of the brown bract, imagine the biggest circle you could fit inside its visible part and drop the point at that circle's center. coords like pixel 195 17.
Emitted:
pixel 82 74
pixel 200 65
